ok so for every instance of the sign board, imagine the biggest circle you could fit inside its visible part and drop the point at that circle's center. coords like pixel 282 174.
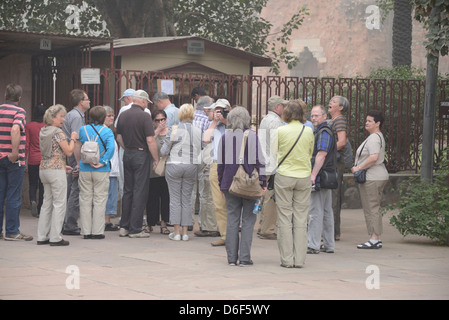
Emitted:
pixel 167 86
pixel 195 47
pixel 444 110
pixel 45 44
pixel 90 76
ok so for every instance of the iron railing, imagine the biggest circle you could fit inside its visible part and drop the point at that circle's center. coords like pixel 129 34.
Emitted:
pixel 401 101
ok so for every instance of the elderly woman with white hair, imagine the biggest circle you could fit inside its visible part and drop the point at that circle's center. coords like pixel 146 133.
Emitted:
pixel 238 208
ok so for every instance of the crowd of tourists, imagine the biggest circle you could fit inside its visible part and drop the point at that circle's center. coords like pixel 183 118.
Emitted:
pixel 164 164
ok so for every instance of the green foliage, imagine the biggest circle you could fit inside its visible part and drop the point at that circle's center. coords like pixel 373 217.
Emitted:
pixel 437 25
pixel 398 72
pixel 234 23
pixel 70 17
pixel 423 207
pixel 238 24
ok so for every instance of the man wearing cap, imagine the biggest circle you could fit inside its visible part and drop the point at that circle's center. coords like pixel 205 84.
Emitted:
pixel 207 218
pixel 267 130
pixel 213 135
pixel 135 134
pixel 162 102
pixel 127 98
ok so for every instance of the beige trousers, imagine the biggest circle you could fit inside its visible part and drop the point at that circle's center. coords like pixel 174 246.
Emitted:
pixel 219 201
pixel 268 215
pixel 292 202
pixel 371 196
pixel 94 188
pixel 51 218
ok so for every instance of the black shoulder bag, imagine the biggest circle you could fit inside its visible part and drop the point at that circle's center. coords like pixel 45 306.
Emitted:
pixel 270 185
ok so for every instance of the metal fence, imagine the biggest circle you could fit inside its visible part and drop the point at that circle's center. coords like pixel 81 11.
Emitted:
pixel 401 101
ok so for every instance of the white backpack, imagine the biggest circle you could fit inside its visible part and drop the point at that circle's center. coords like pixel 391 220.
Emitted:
pixel 90 150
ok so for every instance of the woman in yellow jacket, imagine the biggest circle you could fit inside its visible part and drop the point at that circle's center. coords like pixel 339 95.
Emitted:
pixel 292 185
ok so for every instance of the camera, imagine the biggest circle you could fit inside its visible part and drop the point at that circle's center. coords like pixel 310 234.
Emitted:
pixel 224 113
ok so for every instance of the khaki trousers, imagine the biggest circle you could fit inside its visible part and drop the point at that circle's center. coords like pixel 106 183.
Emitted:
pixel 219 201
pixel 51 218
pixel 371 196
pixel 292 202
pixel 94 189
pixel 268 215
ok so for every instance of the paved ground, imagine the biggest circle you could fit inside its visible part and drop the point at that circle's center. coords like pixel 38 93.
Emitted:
pixel 159 269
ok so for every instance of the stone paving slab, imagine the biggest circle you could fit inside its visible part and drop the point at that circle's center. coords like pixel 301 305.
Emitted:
pixel 159 269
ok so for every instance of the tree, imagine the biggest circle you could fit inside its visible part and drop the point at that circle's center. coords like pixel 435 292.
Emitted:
pixel 434 15
pixel 402 33
pixel 235 23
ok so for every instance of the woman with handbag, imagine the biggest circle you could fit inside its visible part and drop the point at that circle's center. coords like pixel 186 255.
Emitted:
pixel 94 178
pixel 292 185
pixel 158 196
pixel 370 157
pixel 52 171
pixel 239 207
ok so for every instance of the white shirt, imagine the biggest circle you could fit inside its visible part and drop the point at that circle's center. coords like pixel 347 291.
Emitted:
pixel 124 108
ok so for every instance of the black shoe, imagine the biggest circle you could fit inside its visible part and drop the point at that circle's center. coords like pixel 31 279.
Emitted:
pixel 59 243
pixel 40 243
pixel 71 233
pixel 111 227
pixel 246 263
pixel 97 236
pixel 87 236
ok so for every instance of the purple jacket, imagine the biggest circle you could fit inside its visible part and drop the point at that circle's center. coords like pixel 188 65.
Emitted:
pixel 229 153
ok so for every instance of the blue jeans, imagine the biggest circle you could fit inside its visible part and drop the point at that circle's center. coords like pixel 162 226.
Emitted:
pixel 111 204
pixel 11 180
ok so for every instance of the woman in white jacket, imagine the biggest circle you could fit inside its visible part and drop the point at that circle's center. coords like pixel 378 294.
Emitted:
pixel 111 204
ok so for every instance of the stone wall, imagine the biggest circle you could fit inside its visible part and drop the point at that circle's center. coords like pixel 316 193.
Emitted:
pixel 334 39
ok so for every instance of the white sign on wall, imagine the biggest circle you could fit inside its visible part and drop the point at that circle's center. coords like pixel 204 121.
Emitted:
pixel 90 76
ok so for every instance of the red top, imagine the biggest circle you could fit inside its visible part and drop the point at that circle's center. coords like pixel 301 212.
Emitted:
pixel 32 149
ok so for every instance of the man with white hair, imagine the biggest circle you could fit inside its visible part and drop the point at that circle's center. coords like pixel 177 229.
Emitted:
pixel 127 99
pixel 135 134
pixel 268 129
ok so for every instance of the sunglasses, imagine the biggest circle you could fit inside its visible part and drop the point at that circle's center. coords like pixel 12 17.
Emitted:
pixel 160 120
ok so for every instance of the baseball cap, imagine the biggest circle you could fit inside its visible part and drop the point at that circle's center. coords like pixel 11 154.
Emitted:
pixel 128 93
pixel 142 94
pixel 222 103
pixel 276 100
pixel 211 107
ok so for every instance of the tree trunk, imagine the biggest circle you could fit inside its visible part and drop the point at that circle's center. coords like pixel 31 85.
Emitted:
pixel 402 33
pixel 137 18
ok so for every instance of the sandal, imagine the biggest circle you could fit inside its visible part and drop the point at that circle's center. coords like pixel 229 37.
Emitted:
pixel 370 245
pixel 164 230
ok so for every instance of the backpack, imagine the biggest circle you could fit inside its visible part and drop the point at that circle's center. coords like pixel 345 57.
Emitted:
pixel 90 150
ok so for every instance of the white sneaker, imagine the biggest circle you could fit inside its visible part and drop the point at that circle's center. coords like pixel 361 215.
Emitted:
pixel 185 237
pixel 175 237
pixel 141 234
pixel 123 232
